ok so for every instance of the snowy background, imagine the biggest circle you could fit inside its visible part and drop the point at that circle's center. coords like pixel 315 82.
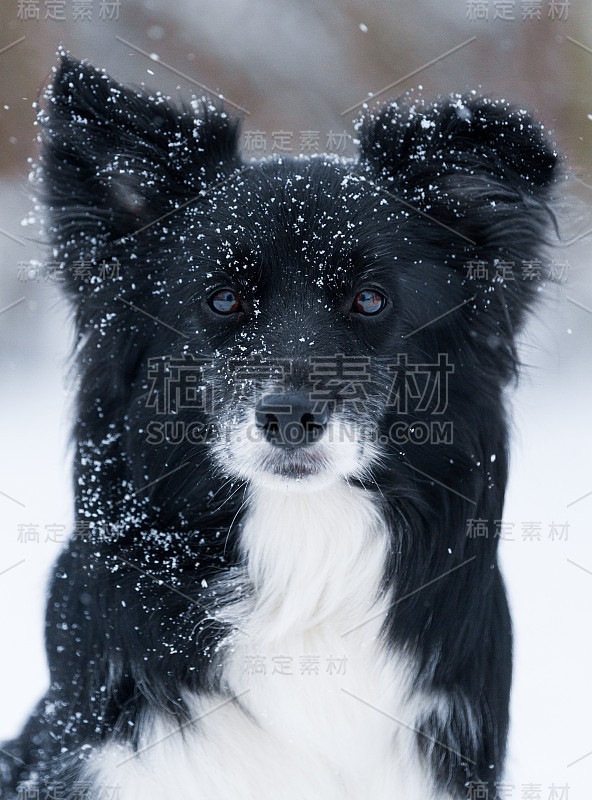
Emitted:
pixel 296 65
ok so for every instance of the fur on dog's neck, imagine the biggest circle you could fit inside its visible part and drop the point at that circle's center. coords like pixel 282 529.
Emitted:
pixel 313 557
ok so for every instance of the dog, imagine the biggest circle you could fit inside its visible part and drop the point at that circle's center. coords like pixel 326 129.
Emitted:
pixel 291 417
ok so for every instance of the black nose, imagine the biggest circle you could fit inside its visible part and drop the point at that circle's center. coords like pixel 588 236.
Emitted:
pixel 290 420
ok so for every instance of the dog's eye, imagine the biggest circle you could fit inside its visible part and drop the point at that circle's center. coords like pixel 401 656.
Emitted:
pixel 224 301
pixel 368 302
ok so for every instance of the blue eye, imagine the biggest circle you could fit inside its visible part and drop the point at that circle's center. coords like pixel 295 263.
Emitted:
pixel 224 301
pixel 368 302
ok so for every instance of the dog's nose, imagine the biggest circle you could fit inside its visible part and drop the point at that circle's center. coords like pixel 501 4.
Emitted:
pixel 290 420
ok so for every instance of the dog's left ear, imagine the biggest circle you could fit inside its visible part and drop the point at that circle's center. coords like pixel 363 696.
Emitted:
pixel 114 159
pixel 480 166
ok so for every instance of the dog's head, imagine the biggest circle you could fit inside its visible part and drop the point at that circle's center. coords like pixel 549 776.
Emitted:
pixel 289 321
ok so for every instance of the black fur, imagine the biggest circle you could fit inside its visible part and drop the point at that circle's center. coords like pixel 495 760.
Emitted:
pixel 130 179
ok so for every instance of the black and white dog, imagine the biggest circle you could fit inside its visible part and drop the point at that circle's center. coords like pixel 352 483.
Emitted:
pixel 290 419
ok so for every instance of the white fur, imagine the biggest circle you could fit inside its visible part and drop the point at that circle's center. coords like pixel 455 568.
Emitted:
pixel 315 559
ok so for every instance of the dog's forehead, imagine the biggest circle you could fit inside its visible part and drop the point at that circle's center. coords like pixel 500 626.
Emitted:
pixel 311 213
pixel 302 190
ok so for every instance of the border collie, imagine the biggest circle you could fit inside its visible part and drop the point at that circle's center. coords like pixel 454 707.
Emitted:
pixel 291 450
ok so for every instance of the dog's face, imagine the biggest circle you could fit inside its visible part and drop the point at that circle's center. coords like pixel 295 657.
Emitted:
pixel 288 295
pixel 266 316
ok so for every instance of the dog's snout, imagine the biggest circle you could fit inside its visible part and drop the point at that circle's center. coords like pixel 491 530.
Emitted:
pixel 290 420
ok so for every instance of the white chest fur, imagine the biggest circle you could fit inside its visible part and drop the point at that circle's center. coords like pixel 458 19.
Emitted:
pixel 319 702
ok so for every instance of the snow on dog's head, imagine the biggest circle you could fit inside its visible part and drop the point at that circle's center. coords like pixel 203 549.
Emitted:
pixel 288 321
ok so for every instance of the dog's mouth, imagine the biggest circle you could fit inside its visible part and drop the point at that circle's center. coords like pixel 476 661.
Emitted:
pixel 295 463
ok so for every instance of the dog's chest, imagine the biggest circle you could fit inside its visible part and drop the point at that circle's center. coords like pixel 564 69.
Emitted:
pixel 314 703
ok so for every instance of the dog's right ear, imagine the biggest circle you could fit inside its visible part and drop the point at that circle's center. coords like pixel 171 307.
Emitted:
pixel 113 159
